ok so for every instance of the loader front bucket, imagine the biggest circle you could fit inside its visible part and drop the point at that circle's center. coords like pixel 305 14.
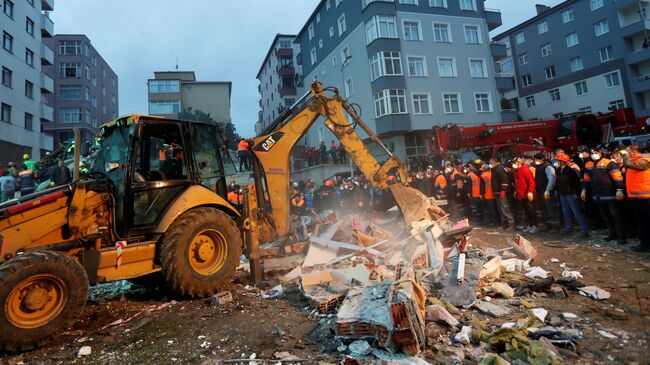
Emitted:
pixel 415 205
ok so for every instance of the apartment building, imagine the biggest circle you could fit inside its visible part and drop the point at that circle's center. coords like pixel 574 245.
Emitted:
pixel 171 92
pixel 280 79
pixel 408 64
pixel 580 56
pixel 86 88
pixel 25 25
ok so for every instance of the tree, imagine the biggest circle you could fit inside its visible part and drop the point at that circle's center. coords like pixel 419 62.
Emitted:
pixel 228 130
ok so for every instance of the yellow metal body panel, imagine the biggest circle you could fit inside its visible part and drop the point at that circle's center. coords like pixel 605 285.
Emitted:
pixel 137 260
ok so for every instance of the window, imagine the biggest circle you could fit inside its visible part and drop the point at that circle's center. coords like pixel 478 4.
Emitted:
pixel 568 16
pixel 519 38
pixel 310 30
pixel 345 55
pixel 472 35
pixel 87 94
pixel 585 110
pixel 438 3
pixel 477 68
pixel 380 26
pixel 320 44
pixel 9 8
pixel 546 50
pixel 6 77
pixel 572 39
pixel 349 87
pixel 523 59
pixel 542 27
pixel 318 18
pixel 550 72
pixel 5 116
pixel 612 79
pixel 94 101
pixel 576 64
pixel 385 64
pixel 441 33
pixel 312 56
pixel 595 4
pixel 29 57
pixel 468 5
pixel 88 116
pixel 331 32
pixel 412 30
pixel 417 66
pixel 617 104
pixel 29 89
pixel 606 53
pixel 323 69
pixel 554 94
pixel 113 99
pixel 601 28
pixel 70 115
pixel 69 48
pixel 158 107
pixel 104 109
pixel 581 88
pixel 451 101
pixel 390 101
pixel 87 69
pixel 327 5
pixel 421 103
pixel 483 102
pixel 284 43
pixel 29 122
pixel 7 42
pixel 70 92
pixel 408 2
pixel 530 101
pixel 447 67
pixel 164 86
pixel 333 61
pixel 338 2
pixel 29 27
pixel 342 24
pixel 527 80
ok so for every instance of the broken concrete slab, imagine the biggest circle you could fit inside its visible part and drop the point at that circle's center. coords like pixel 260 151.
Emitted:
pixel 439 314
pixel 462 295
pixel 594 292
pixel 493 309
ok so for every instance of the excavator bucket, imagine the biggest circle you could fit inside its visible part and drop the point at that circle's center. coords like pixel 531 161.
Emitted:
pixel 416 206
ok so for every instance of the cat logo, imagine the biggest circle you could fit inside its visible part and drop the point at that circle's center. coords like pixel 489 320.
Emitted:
pixel 269 142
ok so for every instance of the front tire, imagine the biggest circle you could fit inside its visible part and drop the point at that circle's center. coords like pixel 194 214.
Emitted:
pixel 200 252
pixel 42 294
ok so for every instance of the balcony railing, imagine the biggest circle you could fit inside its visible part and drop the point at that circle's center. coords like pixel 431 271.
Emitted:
pixel 47 84
pixel 47 112
pixel 47 26
pixel 47 55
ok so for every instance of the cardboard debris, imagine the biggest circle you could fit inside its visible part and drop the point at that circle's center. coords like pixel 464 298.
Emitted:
pixel 523 248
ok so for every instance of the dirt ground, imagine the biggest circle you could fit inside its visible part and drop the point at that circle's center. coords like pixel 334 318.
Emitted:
pixel 193 331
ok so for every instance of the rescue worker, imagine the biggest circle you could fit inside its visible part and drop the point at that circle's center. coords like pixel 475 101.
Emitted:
pixel 8 186
pixel 243 154
pixel 31 165
pixel 13 171
pixel 61 174
pixel 473 184
pixel 568 186
pixel 638 189
pixel 500 188
pixel 544 185
pixel 333 152
pixel 439 185
pixel 456 186
pixel 172 169
pixel 27 183
pixel 604 178
pixel 524 196
pixel 232 184
pixel 298 205
pixel 491 214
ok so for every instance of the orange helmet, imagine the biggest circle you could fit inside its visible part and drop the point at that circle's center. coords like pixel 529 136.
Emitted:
pixel 562 157
pixel 329 182
pixel 392 178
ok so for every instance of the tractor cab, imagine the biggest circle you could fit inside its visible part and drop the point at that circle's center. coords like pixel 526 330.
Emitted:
pixel 152 160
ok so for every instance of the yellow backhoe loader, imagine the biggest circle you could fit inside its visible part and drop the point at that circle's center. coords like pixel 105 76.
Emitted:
pixel 154 202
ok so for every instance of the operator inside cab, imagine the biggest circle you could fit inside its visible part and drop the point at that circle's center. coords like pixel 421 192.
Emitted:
pixel 172 169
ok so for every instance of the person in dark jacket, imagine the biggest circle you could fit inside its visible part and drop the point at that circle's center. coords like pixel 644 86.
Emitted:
pixel 606 182
pixel 568 187
pixel 544 186
pixel 501 187
pixel 27 183
pixel 60 174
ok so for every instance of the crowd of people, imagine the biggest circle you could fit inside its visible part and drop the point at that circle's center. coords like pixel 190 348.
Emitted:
pixel 566 194
pixel 26 178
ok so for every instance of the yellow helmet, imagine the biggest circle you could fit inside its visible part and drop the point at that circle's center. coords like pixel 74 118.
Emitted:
pixel 25 157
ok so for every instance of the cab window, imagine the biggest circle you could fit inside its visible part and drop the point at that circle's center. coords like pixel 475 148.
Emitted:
pixel 160 154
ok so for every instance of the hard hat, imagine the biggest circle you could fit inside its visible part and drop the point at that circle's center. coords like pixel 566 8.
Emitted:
pixel 329 182
pixel 392 178
pixel 562 157
pixel 26 157
pixel 11 164
pixel 295 185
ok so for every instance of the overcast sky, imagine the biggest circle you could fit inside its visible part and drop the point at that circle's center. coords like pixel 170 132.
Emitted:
pixel 220 40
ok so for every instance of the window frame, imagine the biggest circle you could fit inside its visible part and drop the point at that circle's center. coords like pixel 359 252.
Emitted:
pixel 544 29
pixel 489 101
pixel 596 26
pixel 424 65
pixel 443 5
pixel 524 57
pixel 459 100
pixel 483 67
pixel 609 56
pixel 608 78
pixel 555 94
pixel 453 66
pixel 530 101
pixel 550 72
pixel 473 6
pixel 571 16
pixel 583 89
pixel 571 62
pixel 479 36
pixel 571 36
pixel 342 26
pixel 447 27
pixel 428 103
pixel 546 48
pixel 419 29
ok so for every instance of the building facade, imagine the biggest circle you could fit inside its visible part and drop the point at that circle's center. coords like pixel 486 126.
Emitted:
pixel 580 56
pixel 280 78
pixel 25 25
pixel 86 88
pixel 408 64
pixel 171 92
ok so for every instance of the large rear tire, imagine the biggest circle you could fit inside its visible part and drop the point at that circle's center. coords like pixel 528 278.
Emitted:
pixel 200 252
pixel 42 294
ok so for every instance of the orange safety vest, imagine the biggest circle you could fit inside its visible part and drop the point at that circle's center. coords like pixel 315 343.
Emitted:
pixel 638 182
pixel 441 181
pixel 242 146
pixel 476 185
pixel 487 178
pixel 459 181
pixel 298 202
pixel 235 197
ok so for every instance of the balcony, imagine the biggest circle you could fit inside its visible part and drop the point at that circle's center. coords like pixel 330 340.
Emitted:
pixel 47 112
pixel 286 90
pixel 623 4
pixel 504 83
pixel 508 116
pixel 47 5
pixel 498 50
pixel 46 141
pixel 493 18
pixel 641 84
pixel 284 52
pixel 47 55
pixel 47 84
pixel 637 57
pixel 47 26
pixel 639 26
pixel 286 71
